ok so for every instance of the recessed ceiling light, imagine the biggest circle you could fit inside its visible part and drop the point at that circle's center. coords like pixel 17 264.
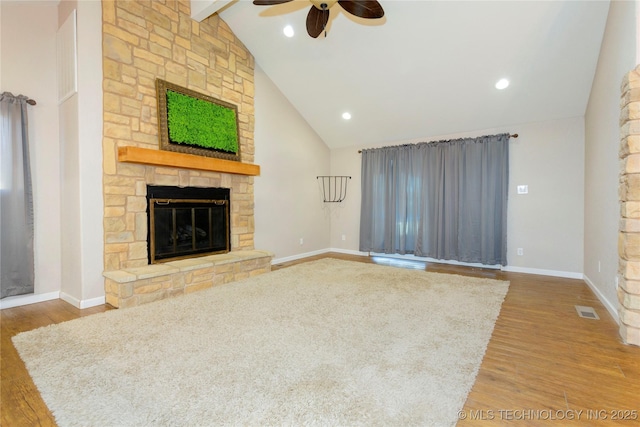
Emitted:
pixel 288 31
pixel 502 84
pixel 346 116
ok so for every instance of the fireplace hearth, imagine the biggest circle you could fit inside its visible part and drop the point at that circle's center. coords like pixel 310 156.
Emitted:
pixel 187 221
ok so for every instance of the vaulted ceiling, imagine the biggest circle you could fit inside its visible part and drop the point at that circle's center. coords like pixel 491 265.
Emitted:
pixel 428 68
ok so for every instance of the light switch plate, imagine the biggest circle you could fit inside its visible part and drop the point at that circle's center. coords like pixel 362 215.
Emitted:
pixel 523 189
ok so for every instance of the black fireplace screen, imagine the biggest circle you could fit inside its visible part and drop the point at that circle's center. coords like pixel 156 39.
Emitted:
pixel 187 221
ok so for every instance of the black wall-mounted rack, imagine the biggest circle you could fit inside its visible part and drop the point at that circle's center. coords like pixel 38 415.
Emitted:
pixel 334 187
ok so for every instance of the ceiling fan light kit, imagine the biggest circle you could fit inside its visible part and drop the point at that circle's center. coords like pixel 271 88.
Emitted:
pixel 319 13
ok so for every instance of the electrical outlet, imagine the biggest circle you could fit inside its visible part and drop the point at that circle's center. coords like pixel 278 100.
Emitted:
pixel 523 189
pixel 344 237
pixel 599 266
pixel 520 251
pixel 301 241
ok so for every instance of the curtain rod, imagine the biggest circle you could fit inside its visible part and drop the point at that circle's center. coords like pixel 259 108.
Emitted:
pixel 514 135
pixel 28 101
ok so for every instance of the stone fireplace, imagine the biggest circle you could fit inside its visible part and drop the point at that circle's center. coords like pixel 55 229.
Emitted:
pixel 143 41
pixel 629 238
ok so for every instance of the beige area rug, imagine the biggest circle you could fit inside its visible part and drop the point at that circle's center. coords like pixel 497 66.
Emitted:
pixel 328 342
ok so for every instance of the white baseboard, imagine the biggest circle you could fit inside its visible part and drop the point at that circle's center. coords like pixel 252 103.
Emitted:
pixel 81 304
pixel 70 299
pixel 612 309
pixel 318 252
pixel 93 302
pixel 348 251
pixel 298 256
pixel 542 272
pixel 20 300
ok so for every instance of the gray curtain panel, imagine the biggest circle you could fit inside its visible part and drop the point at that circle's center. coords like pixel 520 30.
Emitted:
pixel 16 199
pixel 445 200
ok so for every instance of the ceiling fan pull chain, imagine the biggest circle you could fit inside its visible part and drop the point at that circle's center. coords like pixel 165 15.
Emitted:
pixel 324 26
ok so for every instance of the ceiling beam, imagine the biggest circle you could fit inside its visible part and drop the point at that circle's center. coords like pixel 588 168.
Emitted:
pixel 202 9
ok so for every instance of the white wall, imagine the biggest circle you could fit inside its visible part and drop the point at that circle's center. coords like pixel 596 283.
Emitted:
pixel 547 223
pixel 69 187
pixel 288 205
pixel 28 37
pixel 90 138
pixel 71 257
pixel 637 32
pixel 345 216
pixel 602 143
pixel 81 155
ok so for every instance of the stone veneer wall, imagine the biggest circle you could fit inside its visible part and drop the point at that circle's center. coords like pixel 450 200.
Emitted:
pixel 629 239
pixel 142 41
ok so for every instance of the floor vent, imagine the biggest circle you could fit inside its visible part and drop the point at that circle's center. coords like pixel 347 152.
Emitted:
pixel 587 312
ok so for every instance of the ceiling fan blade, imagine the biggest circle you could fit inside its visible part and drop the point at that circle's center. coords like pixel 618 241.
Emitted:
pixel 317 21
pixel 369 9
pixel 269 2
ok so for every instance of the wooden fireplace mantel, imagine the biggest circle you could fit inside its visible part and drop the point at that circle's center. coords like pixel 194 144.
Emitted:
pixel 148 156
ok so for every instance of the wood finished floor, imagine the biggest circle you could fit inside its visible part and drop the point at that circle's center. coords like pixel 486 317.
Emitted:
pixel 543 362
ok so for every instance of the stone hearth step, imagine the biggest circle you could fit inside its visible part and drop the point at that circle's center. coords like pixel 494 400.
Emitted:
pixel 139 285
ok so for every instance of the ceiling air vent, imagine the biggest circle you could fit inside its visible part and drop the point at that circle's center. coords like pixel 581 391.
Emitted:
pixel 587 312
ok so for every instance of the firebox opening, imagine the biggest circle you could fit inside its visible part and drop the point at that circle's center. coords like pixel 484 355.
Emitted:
pixel 186 221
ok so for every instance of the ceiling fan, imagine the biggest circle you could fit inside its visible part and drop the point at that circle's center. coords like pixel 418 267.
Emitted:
pixel 319 13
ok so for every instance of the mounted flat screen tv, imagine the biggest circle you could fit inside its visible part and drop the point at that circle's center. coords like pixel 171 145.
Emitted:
pixel 194 123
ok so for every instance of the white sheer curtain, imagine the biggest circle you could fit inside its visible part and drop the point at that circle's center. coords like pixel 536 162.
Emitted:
pixel 444 200
pixel 16 199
